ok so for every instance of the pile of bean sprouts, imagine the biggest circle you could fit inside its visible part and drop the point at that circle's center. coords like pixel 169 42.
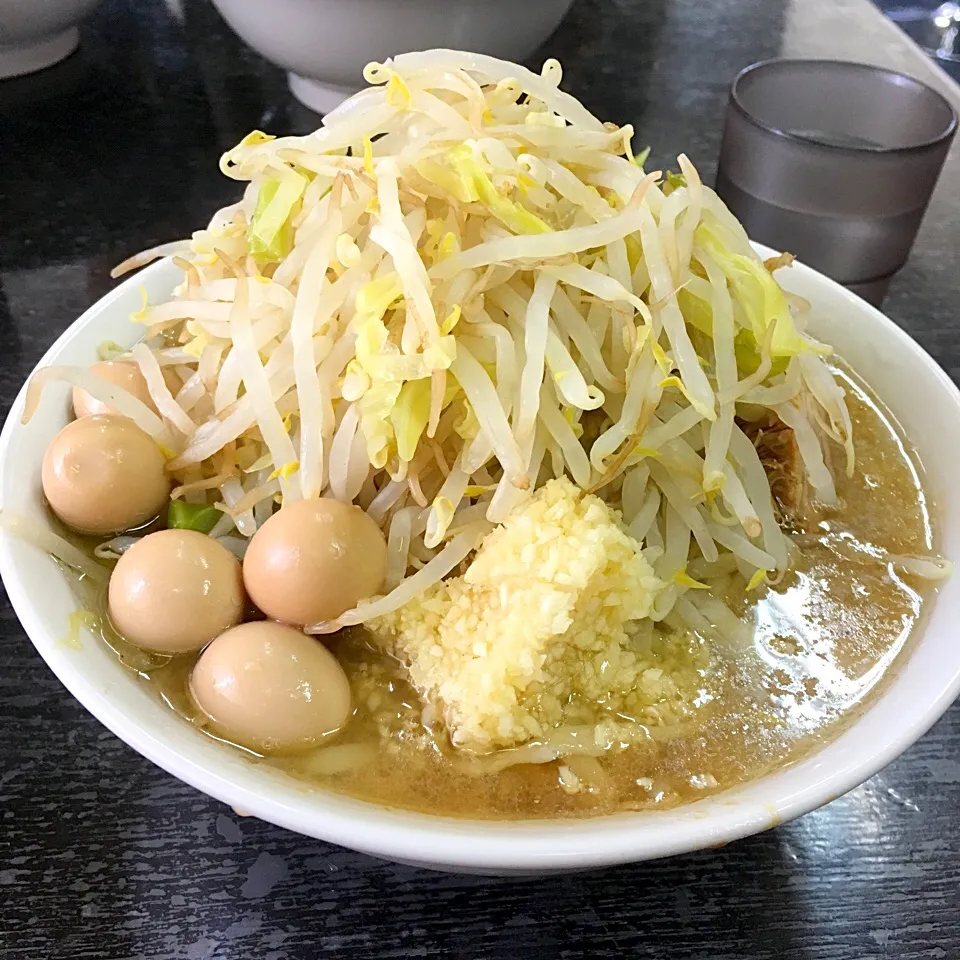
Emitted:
pixel 463 285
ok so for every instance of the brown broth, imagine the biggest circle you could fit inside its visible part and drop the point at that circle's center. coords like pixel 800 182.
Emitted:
pixel 822 641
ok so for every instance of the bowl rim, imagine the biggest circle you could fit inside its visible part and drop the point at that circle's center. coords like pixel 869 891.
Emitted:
pixel 483 845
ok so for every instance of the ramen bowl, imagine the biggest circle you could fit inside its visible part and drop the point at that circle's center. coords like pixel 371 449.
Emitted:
pixel 34 36
pixel 919 686
pixel 325 44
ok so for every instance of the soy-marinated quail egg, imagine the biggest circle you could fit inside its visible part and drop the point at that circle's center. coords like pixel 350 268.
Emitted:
pixel 175 591
pixel 270 687
pixel 123 373
pixel 103 474
pixel 314 559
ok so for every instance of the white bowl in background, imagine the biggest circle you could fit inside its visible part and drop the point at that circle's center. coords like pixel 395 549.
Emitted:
pixel 35 34
pixel 924 681
pixel 325 44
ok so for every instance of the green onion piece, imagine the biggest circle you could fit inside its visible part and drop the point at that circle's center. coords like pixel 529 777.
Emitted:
pixel 201 517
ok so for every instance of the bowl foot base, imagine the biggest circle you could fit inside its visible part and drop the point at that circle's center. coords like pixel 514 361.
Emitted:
pixel 17 59
pixel 322 97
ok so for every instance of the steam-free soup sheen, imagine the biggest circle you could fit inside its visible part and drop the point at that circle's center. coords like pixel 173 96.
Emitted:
pixel 822 641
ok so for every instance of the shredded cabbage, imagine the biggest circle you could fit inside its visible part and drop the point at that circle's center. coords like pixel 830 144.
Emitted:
pixel 270 228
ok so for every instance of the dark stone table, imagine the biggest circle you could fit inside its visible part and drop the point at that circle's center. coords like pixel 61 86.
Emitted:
pixel 104 856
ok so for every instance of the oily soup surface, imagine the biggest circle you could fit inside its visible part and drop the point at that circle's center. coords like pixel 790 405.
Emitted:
pixel 822 639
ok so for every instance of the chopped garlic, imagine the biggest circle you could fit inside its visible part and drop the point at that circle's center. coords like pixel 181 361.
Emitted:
pixel 537 632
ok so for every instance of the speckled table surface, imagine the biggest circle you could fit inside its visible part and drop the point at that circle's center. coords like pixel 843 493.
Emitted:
pixel 104 856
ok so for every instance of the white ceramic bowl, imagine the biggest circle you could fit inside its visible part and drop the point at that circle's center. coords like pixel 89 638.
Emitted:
pixel 923 685
pixel 325 44
pixel 35 35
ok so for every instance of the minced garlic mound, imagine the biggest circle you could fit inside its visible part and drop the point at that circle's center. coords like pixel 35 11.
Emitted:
pixel 536 633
